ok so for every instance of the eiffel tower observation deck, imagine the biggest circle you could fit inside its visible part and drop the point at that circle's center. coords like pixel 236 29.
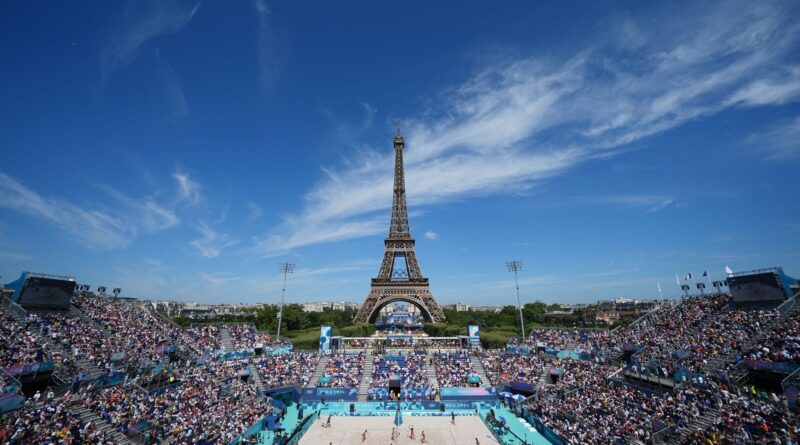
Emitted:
pixel 400 278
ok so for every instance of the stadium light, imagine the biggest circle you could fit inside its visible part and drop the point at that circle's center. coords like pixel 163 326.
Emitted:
pixel 285 269
pixel 516 266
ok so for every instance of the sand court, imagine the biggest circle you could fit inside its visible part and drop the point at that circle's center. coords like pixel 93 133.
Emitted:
pixel 347 430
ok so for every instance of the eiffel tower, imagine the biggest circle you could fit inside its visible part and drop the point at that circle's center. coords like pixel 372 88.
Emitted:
pixel 399 278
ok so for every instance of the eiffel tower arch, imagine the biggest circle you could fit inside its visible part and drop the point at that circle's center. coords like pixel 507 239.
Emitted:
pixel 399 278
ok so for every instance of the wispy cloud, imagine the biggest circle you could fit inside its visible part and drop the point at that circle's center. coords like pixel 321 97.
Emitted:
pixel 212 243
pixel 431 235
pixel 98 227
pixel 188 188
pixel 95 227
pixel 652 203
pixel 172 85
pixel 521 121
pixel 13 257
pixel 268 50
pixel 254 211
pixel 780 142
pixel 217 279
pixel 148 215
pixel 142 23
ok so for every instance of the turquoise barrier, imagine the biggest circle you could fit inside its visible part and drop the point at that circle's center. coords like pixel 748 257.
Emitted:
pixel 551 436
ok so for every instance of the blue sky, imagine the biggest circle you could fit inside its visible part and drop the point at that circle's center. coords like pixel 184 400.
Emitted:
pixel 182 149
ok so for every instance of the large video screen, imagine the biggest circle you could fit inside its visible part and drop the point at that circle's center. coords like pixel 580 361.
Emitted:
pixel 46 292
pixel 756 287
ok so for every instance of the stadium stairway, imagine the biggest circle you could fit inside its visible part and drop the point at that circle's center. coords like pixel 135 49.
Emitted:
pixel 318 371
pixel 544 379
pixel 225 336
pixel 256 376
pixel 431 371
pixel 477 365
pixel 700 424
pixel 366 376
pixel 86 416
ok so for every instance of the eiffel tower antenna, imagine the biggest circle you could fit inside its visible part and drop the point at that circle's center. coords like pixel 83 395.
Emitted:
pixel 399 278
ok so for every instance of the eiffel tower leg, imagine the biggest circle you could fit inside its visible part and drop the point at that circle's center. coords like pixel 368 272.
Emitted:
pixel 384 294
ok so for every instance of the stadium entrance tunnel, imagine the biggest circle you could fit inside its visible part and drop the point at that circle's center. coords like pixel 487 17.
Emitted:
pixel 376 311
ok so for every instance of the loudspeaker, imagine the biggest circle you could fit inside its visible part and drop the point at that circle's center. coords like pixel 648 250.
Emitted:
pixel 441 407
pixel 352 408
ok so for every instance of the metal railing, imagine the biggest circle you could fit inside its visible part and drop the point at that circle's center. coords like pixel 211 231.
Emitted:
pixel 792 380
pixel 789 306
pixel 663 435
pixel 13 309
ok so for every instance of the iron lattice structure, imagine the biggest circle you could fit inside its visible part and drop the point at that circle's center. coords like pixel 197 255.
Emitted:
pixel 393 283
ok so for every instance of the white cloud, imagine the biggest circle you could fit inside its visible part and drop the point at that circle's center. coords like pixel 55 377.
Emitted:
pixel 653 203
pixel 188 189
pixel 99 227
pixel 268 50
pixel 147 214
pixel 13 257
pixel 780 142
pixel 431 235
pixel 172 85
pixel 140 25
pixel 254 210
pixel 94 227
pixel 212 243
pixel 521 121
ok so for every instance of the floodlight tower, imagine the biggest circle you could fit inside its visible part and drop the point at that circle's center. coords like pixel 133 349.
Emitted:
pixel 285 269
pixel 516 266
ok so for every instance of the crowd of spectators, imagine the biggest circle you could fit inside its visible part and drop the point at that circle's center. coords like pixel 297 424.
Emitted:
pixel 502 367
pixel 286 369
pixel 203 338
pixel 782 343
pixel 21 342
pixel 343 370
pixel 667 330
pixel 142 336
pixel 453 368
pixel 743 420
pixel 725 334
pixel 213 401
pixel 209 403
pixel 585 406
pixel 83 341
pixel 410 367
pixel 246 336
pixel 48 421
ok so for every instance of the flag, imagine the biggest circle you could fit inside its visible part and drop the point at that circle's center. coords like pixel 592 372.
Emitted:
pixel 659 287
pixel 677 280
pixel 728 270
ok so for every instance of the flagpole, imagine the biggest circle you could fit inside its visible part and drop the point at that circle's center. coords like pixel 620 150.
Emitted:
pixel 659 290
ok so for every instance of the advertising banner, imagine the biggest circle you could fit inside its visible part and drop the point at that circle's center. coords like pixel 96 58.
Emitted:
pixel 325 333
pixel 467 394
pixel 330 394
pixel 474 334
